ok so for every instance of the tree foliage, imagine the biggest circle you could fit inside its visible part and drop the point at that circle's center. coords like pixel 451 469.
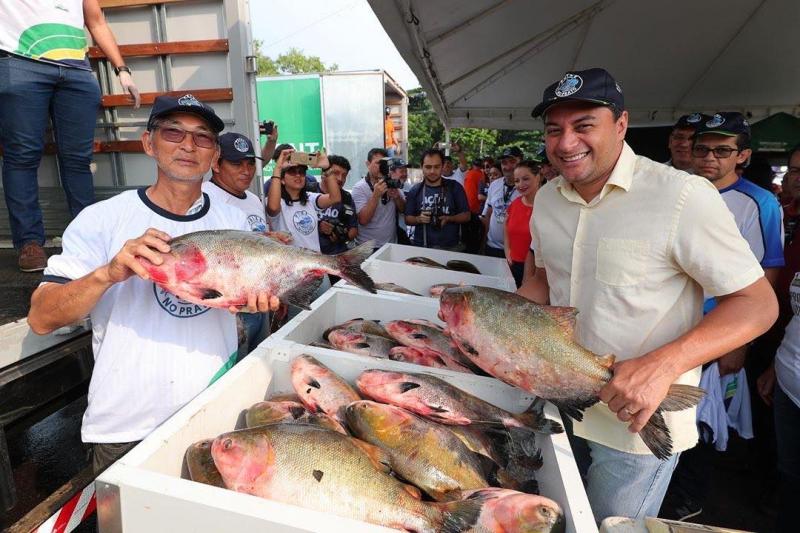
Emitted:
pixel 293 61
pixel 425 129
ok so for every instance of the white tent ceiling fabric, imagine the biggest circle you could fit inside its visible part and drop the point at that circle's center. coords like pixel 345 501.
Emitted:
pixel 484 63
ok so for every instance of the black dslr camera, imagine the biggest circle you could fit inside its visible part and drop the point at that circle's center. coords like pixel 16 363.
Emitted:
pixel 265 128
pixel 339 229
pixel 383 168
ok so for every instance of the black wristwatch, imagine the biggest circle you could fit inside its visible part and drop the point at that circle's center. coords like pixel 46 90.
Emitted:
pixel 121 68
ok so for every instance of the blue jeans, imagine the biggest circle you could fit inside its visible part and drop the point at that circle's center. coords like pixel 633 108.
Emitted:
pixel 30 93
pixel 787 439
pixel 620 483
pixel 255 331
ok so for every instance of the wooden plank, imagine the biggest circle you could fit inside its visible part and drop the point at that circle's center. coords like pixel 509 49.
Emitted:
pixel 204 95
pixel 158 49
pixel 131 3
pixel 130 147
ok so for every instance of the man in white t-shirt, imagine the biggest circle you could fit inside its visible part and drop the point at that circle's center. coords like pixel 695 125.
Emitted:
pixel 231 176
pixel 378 205
pixel 153 351
pixel 499 196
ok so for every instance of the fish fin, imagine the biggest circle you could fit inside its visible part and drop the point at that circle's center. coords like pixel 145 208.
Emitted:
pixel 313 382
pixel 413 491
pixel 565 317
pixel 209 294
pixel 681 397
pixel 656 437
pixel 607 360
pixel 418 336
pixel 361 345
pixel 322 344
pixel 377 456
pixel 534 418
pixel 574 408
pixel 461 515
pixel 301 295
pixel 514 478
pixel 297 411
pixel 348 266
pixel 466 347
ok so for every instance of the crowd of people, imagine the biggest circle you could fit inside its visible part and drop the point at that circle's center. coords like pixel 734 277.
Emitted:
pixel 673 266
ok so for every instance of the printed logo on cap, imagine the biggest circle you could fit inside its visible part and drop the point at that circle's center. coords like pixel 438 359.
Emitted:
pixel 619 89
pixel 694 118
pixel 242 145
pixel 190 100
pixel 569 85
pixel 716 121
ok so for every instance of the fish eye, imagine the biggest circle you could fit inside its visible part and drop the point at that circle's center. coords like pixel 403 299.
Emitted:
pixel 227 444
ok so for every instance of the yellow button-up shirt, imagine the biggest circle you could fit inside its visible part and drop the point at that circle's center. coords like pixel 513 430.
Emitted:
pixel 635 261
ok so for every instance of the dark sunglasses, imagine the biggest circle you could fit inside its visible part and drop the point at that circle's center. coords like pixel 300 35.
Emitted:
pixel 201 139
pixel 720 152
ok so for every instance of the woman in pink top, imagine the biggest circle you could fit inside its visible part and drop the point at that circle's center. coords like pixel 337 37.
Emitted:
pixel 517 241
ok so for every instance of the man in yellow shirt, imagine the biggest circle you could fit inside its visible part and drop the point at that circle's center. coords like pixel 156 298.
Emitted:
pixel 633 244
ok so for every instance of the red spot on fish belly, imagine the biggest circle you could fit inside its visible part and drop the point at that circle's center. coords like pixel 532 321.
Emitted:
pixel 191 263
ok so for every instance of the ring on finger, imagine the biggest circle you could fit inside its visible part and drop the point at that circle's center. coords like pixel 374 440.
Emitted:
pixel 627 411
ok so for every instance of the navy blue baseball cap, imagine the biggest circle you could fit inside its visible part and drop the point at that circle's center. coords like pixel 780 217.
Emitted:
pixel 728 123
pixel 397 162
pixel 512 151
pixel 236 147
pixel 691 121
pixel 593 85
pixel 165 105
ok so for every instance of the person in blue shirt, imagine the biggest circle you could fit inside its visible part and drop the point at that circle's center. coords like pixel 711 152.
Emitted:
pixel 436 206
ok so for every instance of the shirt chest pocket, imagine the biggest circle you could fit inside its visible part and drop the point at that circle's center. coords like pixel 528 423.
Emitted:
pixel 622 262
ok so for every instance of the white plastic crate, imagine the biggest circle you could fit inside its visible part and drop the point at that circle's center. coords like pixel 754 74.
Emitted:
pixel 145 490
pixel 420 280
pixel 397 253
pixel 339 305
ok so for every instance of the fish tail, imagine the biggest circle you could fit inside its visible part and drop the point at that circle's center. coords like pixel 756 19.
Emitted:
pixel 348 266
pixel 534 418
pixel 460 515
pixel 656 437
pixel 682 397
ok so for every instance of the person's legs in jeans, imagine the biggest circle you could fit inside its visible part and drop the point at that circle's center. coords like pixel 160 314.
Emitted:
pixel 26 88
pixel 787 435
pixel 74 110
pixel 626 484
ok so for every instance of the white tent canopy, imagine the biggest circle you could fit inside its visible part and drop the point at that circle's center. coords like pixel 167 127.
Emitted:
pixel 484 63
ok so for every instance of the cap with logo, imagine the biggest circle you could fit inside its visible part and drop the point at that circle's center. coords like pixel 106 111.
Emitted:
pixel 593 85
pixel 541 156
pixel 397 162
pixel 691 121
pixel 165 105
pixel 236 147
pixel 728 123
pixel 512 151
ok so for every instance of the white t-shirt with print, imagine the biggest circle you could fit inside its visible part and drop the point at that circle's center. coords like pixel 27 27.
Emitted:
pixel 787 358
pixel 498 197
pixel 153 352
pixel 457 175
pixel 299 220
pixel 250 204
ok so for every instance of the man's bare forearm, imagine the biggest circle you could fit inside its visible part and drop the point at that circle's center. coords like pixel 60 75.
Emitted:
pixel 54 305
pixel 368 211
pixel 536 288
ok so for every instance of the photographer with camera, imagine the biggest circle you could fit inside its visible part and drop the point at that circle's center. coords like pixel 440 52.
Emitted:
pixel 436 206
pixel 378 200
pixel 338 224
pixel 270 129
pixel 290 207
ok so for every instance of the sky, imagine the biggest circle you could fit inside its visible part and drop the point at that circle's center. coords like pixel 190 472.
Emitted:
pixel 345 32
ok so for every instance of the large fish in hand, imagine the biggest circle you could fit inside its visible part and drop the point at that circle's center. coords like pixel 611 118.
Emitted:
pixel 220 268
pixel 532 347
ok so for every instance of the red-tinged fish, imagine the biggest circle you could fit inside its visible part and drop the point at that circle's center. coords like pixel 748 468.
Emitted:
pixel 442 402
pixel 221 268
pixel 508 511
pixel 424 336
pixel 418 356
pixel 201 465
pixel 361 343
pixel 323 470
pixel 532 347
pixel 360 325
pixel 320 389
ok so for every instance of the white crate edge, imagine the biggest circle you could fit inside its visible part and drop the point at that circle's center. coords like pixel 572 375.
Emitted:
pixel 489 266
